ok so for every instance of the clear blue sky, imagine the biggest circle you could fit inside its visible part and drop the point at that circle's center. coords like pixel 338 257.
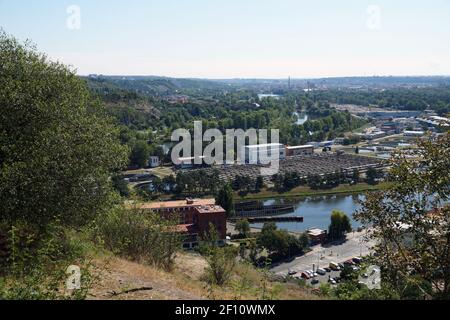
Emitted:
pixel 239 38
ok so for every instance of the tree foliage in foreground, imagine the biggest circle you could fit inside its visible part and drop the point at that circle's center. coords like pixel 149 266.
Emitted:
pixel 411 220
pixel 57 146
pixel 58 151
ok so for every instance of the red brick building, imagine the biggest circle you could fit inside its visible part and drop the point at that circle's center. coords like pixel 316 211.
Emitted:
pixel 195 217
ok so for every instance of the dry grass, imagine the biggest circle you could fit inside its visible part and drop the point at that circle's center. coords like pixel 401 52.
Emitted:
pixel 183 283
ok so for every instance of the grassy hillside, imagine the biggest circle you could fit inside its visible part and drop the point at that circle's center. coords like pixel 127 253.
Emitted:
pixel 126 280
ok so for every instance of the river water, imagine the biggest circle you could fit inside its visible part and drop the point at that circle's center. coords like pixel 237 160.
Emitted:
pixel 316 211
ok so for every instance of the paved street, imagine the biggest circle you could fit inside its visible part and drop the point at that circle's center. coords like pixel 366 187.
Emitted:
pixel 321 256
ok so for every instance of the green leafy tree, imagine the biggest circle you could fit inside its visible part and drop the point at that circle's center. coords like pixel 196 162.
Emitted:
pixel 140 154
pixel 243 227
pixel 58 152
pixel 413 237
pixel 259 183
pixel 57 146
pixel 356 175
pixel 372 175
pixel 224 199
pixel 221 260
pixel 304 240
pixel 340 225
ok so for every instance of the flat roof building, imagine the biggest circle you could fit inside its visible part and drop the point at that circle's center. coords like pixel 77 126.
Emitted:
pixel 317 236
pixel 195 217
pixel 299 150
pixel 256 154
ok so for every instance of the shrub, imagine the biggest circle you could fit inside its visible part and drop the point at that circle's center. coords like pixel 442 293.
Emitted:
pixel 139 235
pixel 34 260
pixel 221 260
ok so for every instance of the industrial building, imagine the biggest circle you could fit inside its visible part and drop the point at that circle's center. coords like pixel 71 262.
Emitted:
pixel 256 154
pixel 195 217
pixel 299 150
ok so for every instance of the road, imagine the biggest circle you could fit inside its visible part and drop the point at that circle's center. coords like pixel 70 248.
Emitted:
pixel 322 255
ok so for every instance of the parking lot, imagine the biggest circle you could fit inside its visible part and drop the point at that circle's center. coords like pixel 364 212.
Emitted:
pixel 322 255
pixel 303 165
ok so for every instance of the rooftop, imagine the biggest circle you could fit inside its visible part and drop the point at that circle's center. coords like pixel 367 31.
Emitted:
pixel 210 209
pixel 264 145
pixel 178 204
pixel 308 146
pixel 316 232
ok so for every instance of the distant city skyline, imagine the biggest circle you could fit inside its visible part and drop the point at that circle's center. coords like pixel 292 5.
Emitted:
pixel 251 39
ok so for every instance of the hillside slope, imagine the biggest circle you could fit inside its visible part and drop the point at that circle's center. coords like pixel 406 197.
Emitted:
pixel 120 279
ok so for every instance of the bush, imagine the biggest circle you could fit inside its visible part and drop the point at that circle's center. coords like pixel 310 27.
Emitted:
pixel 221 260
pixel 34 260
pixel 139 235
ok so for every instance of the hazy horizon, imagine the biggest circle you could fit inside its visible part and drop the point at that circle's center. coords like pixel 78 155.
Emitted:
pixel 252 39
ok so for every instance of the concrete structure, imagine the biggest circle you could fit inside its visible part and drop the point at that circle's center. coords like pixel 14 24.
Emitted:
pixel 372 135
pixel 392 127
pixel 154 162
pixel 413 133
pixel 255 154
pixel 195 217
pixel 390 114
pixel 189 162
pixel 299 150
pixel 326 144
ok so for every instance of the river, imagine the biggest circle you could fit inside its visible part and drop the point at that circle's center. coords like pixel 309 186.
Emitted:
pixel 316 211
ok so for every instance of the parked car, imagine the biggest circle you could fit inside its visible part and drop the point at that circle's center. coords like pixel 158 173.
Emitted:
pixel 303 275
pixel 314 281
pixel 328 270
pixel 341 265
pixel 357 260
pixel 349 263
pixel 334 266
pixel 312 274
pixel 291 272
pixel 321 272
pixel 332 281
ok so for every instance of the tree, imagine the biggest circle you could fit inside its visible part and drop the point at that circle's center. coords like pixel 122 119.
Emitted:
pixel 224 199
pixel 340 224
pixel 355 175
pixel 221 260
pixel 413 237
pixel 372 175
pixel 259 183
pixel 304 240
pixel 279 243
pixel 120 185
pixel 58 146
pixel 140 154
pixel 243 227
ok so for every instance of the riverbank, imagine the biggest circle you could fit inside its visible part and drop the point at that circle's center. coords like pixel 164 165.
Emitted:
pixel 308 192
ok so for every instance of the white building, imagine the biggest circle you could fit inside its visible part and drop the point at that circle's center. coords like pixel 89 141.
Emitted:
pixel 154 162
pixel 256 154
pixel 413 133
